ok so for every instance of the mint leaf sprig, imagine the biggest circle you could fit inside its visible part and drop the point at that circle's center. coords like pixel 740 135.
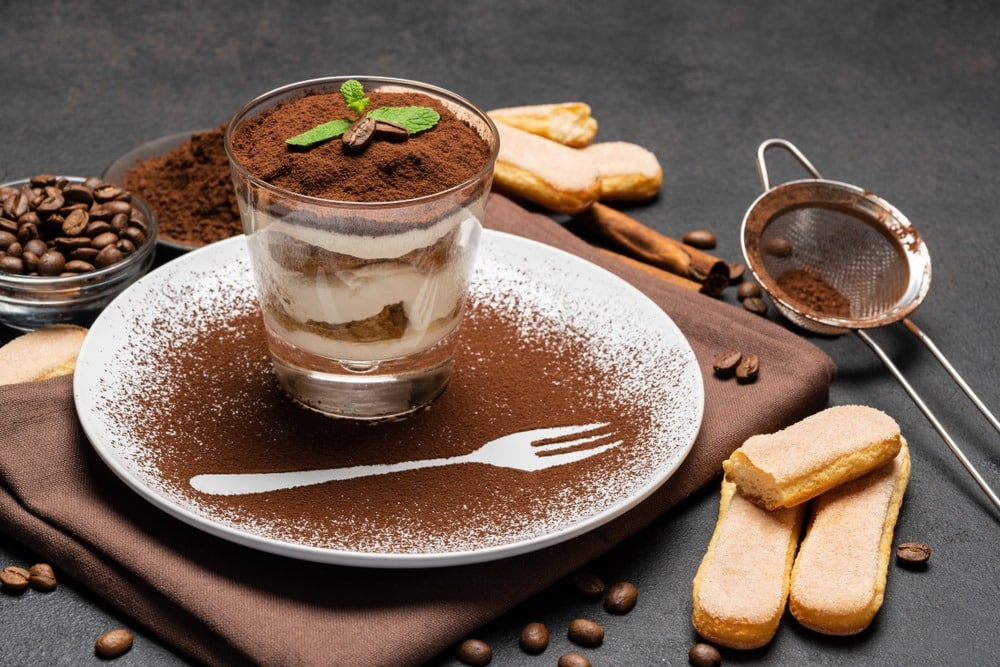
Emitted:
pixel 414 118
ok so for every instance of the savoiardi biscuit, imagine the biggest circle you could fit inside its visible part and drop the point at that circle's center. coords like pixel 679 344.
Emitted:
pixel 838 580
pixel 796 464
pixel 545 172
pixel 568 123
pixel 41 354
pixel 628 172
pixel 741 586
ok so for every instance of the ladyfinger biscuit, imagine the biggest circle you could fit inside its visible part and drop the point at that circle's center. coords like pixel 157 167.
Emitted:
pixel 791 466
pixel 569 123
pixel 629 172
pixel 41 354
pixel 838 580
pixel 542 171
pixel 741 586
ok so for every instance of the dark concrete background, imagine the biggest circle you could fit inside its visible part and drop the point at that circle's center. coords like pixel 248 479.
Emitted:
pixel 901 98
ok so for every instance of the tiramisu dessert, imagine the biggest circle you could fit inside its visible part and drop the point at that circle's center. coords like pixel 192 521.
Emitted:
pixel 362 206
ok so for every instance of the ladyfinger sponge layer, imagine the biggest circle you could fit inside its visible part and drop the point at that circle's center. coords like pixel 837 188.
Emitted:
pixel 838 580
pixel 791 466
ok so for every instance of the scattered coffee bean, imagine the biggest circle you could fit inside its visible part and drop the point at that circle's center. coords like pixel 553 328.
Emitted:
pixel 585 632
pixel 749 290
pixel 778 247
pixel 913 554
pixel 475 652
pixel 756 305
pixel 534 638
pixel 621 598
pixel 700 238
pixel 113 643
pixel 736 271
pixel 704 655
pixel 588 584
pixel 14 579
pixel 726 363
pixel 74 220
pixel 748 369
pixel 573 660
pixel 42 577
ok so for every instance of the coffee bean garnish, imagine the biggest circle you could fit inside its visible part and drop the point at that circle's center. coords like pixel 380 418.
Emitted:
pixel 748 369
pixel 621 598
pixel 588 584
pixel 41 577
pixel 113 643
pixel 359 135
pixel 14 579
pixel 534 638
pixel 704 655
pixel 389 131
pixel 49 224
pixel 913 554
pixel 725 364
pixel 585 632
pixel 573 660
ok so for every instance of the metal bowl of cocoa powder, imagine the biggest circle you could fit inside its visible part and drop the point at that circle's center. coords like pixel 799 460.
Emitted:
pixel 68 246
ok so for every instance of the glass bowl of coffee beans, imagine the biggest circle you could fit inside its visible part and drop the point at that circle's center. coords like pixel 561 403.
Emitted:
pixel 68 246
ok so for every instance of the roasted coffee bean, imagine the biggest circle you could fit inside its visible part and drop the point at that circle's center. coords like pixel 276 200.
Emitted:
pixel 78 266
pixel 41 577
pixel 41 180
pixel 725 364
pixel 585 632
pixel 118 222
pixel 134 235
pixel 389 131
pixel 534 638
pixel 749 290
pixel 573 660
pixel 107 192
pixel 475 652
pixel 8 226
pixel 75 223
pixel 30 260
pixel 778 247
pixel 70 243
pixel 11 264
pixel 116 206
pixel 588 584
pixel 98 227
pixel 6 238
pixel 913 554
pixel 79 194
pixel 28 232
pixel 139 224
pixel 113 643
pixel 748 369
pixel 14 579
pixel 105 239
pixel 108 255
pixel 86 254
pixel 736 271
pixel 15 249
pixel 755 304
pixel 359 135
pixel 700 238
pixel 36 246
pixel 621 598
pixel 704 655
pixel 52 200
pixel 31 217
pixel 126 246
pixel 51 263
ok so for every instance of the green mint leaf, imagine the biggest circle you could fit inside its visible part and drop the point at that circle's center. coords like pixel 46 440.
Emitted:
pixel 414 119
pixel 320 133
pixel 354 96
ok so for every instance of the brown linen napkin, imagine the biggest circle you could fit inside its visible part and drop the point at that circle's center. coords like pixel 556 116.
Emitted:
pixel 223 604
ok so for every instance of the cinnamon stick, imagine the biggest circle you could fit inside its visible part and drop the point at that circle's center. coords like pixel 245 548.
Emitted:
pixel 650 246
pixel 654 271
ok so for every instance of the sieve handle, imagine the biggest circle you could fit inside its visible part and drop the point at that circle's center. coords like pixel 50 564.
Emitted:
pixel 787 145
pixel 930 417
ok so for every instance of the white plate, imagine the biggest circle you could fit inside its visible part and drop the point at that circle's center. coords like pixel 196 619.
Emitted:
pixel 644 365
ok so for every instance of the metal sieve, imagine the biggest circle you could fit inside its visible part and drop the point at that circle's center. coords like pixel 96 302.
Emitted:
pixel 835 258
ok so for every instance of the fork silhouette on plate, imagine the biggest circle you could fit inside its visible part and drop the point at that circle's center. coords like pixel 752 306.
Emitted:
pixel 531 450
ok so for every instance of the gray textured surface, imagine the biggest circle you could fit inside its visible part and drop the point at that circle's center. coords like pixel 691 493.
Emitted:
pixel 900 98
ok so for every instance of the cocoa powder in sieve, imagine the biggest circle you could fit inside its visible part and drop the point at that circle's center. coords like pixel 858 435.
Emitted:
pixel 807 286
pixel 444 156
pixel 190 190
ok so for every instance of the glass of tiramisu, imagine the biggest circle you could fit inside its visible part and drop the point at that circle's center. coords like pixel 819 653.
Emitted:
pixel 362 200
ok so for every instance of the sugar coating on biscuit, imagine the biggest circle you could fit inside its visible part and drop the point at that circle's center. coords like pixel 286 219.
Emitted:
pixel 839 576
pixel 628 171
pixel 742 583
pixel 41 354
pixel 568 123
pixel 798 463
